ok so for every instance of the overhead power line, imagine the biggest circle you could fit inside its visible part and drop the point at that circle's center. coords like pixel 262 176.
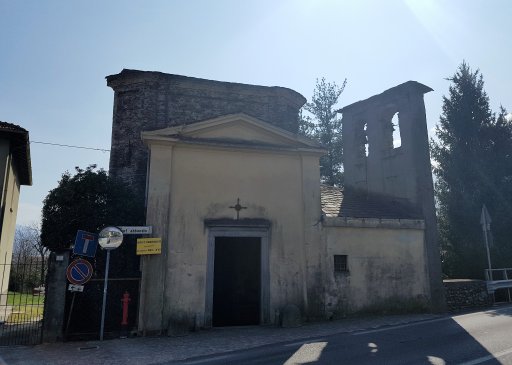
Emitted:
pixel 71 146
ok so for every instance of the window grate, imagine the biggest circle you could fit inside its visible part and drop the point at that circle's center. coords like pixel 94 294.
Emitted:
pixel 340 263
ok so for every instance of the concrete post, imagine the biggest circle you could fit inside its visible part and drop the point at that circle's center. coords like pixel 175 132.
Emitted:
pixel 55 298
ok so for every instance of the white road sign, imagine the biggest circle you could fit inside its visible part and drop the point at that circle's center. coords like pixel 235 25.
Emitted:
pixel 136 229
pixel 73 287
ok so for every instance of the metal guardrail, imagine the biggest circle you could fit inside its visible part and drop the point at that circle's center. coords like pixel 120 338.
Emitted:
pixel 499 284
pixel 498 274
pixel 499 279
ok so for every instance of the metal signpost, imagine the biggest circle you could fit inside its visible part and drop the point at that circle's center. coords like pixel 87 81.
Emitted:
pixel 485 221
pixel 109 239
pixel 78 273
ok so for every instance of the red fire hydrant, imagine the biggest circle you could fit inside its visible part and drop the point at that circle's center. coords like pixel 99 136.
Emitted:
pixel 126 299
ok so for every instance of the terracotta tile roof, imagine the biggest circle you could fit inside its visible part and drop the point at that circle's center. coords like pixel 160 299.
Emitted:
pixel 20 149
pixel 336 202
pixel 331 198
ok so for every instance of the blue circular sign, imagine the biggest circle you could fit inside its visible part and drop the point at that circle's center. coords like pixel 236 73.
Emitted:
pixel 79 272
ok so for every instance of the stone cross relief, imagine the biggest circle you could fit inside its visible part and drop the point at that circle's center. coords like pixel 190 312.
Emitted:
pixel 238 208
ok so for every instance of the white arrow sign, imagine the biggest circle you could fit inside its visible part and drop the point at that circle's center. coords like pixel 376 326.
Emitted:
pixel 76 288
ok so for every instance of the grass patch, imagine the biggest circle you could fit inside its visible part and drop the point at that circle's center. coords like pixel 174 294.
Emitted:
pixel 19 299
pixel 25 307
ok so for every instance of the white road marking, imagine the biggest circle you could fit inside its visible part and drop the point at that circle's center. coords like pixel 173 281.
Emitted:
pixel 401 326
pixel 307 353
pixel 202 361
pixel 303 342
pixel 434 360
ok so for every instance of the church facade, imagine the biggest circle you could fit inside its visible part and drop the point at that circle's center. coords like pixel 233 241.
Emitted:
pixel 248 231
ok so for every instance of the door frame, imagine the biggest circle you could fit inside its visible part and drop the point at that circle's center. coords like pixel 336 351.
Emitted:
pixel 262 232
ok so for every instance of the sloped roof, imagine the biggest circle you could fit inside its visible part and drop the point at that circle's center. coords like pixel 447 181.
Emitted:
pixel 20 149
pixel 355 204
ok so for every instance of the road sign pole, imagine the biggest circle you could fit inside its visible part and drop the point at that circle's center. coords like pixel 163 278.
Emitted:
pixel 105 287
pixel 488 255
pixel 485 221
pixel 109 239
pixel 70 312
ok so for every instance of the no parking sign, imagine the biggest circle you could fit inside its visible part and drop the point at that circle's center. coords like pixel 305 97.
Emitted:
pixel 79 272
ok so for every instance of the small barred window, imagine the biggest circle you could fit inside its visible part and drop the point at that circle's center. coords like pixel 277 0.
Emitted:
pixel 340 263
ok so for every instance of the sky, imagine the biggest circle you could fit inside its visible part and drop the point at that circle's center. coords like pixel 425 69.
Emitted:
pixel 54 56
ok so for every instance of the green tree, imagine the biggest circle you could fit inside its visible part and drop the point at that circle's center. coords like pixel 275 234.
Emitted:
pixel 29 259
pixel 323 123
pixel 473 154
pixel 88 200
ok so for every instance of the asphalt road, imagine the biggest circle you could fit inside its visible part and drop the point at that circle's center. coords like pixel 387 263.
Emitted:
pixel 470 339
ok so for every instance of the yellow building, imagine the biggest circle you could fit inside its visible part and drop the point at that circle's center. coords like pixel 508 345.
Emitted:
pixel 15 170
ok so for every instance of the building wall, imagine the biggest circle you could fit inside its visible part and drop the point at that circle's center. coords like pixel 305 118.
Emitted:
pixel 153 100
pixel 189 185
pixel 404 172
pixel 385 169
pixel 384 265
pixel 8 212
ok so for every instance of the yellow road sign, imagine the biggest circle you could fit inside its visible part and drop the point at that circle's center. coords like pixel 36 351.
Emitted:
pixel 149 246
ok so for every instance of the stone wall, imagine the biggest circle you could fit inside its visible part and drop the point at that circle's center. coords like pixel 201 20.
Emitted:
pixel 146 100
pixel 465 293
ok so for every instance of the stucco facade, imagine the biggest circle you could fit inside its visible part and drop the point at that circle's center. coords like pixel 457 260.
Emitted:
pixel 385 263
pixel 196 175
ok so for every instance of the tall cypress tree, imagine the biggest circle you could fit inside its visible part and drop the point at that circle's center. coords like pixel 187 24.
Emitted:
pixel 324 124
pixel 473 155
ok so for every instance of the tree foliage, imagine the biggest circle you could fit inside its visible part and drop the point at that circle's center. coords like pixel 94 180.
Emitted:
pixel 320 120
pixel 27 242
pixel 28 269
pixel 89 201
pixel 473 152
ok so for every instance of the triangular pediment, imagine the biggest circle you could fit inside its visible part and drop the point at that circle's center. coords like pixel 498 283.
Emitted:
pixel 233 129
